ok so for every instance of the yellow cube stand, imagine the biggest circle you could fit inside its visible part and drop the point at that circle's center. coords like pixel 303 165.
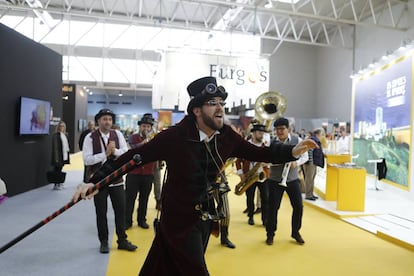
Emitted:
pixel 351 189
pixel 331 188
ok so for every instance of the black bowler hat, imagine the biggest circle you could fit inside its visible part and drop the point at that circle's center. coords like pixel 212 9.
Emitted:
pixel 202 90
pixel 281 122
pixel 146 119
pixel 258 127
pixel 104 112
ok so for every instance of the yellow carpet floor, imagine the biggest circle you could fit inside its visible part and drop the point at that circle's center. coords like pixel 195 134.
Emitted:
pixel 332 247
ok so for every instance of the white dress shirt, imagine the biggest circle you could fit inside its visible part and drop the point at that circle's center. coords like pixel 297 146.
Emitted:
pixel 342 144
pixel 91 159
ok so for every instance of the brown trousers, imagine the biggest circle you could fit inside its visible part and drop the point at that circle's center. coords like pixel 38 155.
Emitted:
pixel 309 171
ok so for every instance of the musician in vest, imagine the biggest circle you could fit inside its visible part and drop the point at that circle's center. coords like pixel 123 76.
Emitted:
pixel 140 179
pixel 257 139
pixel 99 146
pixel 292 187
pixel 194 150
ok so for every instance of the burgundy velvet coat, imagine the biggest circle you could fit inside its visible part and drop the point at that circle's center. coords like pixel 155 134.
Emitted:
pixel 183 152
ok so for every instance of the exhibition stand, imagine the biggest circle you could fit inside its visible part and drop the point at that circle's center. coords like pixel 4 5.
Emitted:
pixel 351 188
pixel 331 188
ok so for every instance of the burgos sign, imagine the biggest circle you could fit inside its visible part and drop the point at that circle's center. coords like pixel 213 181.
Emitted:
pixel 239 75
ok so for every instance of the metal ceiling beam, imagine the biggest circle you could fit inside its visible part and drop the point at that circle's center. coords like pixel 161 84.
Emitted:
pixel 313 22
pixel 88 51
pixel 288 11
pixel 293 13
pixel 244 28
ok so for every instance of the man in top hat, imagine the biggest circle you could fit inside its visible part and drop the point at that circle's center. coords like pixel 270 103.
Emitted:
pixel 244 166
pixel 140 179
pixel 288 175
pixel 194 150
pixel 100 146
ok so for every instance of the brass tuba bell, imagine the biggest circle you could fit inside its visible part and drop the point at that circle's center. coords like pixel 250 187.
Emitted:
pixel 268 107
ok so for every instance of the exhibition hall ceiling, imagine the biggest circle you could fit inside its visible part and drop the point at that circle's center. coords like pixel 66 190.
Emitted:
pixel 312 22
pixel 319 22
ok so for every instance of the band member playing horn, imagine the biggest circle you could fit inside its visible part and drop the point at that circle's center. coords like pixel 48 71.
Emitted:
pixel 195 151
pixel 140 179
pixel 285 178
pixel 244 166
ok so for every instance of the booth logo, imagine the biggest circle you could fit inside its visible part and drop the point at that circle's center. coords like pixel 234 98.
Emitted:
pixel 240 76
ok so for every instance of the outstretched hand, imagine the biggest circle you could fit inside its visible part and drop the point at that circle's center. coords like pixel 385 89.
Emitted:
pixel 81 192
pixel 303 147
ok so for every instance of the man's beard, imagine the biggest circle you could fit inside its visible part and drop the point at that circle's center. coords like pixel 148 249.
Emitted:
pixel 106 127
pixel 210 122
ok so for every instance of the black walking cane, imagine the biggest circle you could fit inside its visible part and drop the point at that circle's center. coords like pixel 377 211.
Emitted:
pixel 136 159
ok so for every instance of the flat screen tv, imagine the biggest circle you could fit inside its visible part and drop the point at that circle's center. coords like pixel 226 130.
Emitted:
pixel 34 116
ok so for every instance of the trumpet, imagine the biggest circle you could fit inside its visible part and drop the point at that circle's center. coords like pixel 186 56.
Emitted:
pixel 149 135
pixel 285 174
pixel 268 106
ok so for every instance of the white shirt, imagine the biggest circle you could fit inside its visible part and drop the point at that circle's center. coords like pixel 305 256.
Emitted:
pixel 252 164
pixel 65 146
pixel 302 159
pixel 342 144
pixel 203 135
pixel 91 159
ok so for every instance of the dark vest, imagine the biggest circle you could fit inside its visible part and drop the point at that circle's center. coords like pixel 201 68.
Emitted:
pixel 204 171
pixel 317 154
pixel 97 148
pixel 276 170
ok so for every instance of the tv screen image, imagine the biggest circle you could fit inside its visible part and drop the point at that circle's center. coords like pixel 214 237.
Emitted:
pixel 34 116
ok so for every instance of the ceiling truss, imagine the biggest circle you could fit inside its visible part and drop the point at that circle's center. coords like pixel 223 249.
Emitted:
pixel 315 22
pixel 312 22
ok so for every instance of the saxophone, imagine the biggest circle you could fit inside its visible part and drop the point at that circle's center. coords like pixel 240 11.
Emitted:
pixel 252 176
pixel 268 107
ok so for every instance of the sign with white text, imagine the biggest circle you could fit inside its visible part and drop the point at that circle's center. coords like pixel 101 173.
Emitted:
pixel 243 78
pixel 382 120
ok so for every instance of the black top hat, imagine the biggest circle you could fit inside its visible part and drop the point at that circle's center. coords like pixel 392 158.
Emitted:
pixel 202 90
pixel 104 112
pixel 258 127
pixel 281 122
pixel 146 119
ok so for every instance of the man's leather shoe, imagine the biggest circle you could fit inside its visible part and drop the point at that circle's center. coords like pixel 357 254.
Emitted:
pixel 143 225
pixel 250 221
pixel 269 241
pixel 310 198
pixel 298 238
pixel 315 197
pixel 245 211
pixel 258 211
pixel 126 245
pixel 104 249
pixel 228 243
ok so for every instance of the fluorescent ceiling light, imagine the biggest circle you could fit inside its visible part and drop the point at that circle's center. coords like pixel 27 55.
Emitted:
pixel 269 3
pixel 287 1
